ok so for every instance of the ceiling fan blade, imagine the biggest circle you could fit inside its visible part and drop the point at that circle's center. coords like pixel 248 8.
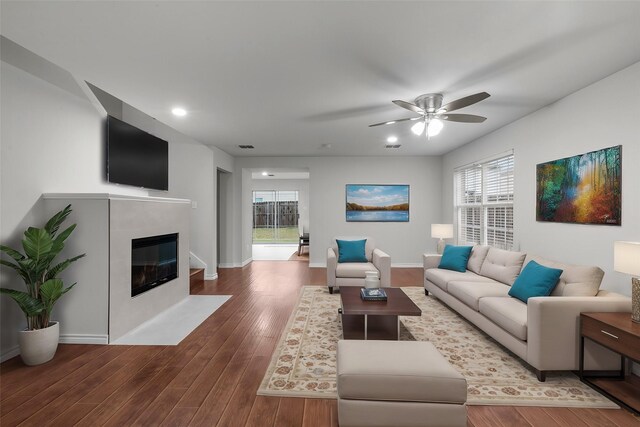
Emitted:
pixel 409 106
pixel 462 118
pixel 463 102
pixel 390 122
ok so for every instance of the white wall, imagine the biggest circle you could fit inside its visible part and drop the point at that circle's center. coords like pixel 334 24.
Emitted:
pixel 405 242
pixel 604 114
pixel 299 185
pixel 52 141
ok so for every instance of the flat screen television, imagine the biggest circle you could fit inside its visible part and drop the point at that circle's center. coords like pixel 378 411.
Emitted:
pixel 135 157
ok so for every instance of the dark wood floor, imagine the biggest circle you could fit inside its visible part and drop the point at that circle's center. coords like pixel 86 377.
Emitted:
pixel 211 378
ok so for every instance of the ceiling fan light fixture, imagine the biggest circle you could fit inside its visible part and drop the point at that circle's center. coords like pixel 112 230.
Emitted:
pixel 418 128
pixel 434 127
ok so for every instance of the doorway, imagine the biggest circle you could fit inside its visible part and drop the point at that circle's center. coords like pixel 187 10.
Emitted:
pixel 275 217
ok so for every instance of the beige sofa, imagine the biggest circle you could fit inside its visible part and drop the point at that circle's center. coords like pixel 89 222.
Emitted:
pixel 354 273
pixel 545 331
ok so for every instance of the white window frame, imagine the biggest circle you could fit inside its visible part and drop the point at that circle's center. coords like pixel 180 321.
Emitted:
pixel 505 185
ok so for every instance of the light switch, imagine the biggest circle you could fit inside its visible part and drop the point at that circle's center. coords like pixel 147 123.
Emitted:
pixel 194 204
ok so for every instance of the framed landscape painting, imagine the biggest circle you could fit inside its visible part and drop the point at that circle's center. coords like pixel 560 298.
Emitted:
pixel 377 203
pixel 583 189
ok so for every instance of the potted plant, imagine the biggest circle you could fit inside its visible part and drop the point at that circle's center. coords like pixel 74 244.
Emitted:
pixel 39 341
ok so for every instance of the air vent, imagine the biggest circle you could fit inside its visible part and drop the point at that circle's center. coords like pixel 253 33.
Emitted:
pixel 393 146
pixel 246 147
pixel 271 174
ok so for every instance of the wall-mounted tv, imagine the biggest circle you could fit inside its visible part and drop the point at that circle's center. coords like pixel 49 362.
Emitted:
pixel 135 157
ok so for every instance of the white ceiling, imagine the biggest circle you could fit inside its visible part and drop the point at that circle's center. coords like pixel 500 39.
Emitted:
pixel 288 77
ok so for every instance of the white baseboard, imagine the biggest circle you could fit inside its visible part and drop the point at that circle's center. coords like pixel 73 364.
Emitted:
pixel 84 339
pixel 12 352
pixel 213 276
pixel 396 265
pixel 407 265
pixel 232 265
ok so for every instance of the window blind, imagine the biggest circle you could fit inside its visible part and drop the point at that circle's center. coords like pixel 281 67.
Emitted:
pixel 484 203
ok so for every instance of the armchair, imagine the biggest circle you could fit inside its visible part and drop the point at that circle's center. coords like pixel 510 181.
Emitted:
pixel 354 273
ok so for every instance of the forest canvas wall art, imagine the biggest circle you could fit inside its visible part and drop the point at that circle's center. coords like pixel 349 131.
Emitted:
pixel 377 203
pixel 584 189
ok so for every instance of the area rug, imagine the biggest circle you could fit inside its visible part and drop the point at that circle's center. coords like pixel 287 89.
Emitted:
pixel 304 362
pixel 175 323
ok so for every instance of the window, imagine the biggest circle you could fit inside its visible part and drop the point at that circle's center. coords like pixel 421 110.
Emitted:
pixel 484 203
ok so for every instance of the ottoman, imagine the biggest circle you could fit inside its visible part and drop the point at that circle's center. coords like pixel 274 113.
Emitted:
pixel 398 383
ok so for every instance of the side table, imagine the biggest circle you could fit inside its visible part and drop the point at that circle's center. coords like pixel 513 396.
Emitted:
pixel 618 333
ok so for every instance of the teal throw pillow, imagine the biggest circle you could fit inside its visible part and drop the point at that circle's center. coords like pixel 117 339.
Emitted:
pixel 535 280
pixel 351 250
pixel 455 258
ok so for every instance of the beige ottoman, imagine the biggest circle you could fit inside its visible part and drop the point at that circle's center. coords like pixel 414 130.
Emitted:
pixel 398 383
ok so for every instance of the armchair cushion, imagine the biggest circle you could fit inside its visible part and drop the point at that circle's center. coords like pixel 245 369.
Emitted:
pixel 535 280
pixel 354 269
pixel 351 251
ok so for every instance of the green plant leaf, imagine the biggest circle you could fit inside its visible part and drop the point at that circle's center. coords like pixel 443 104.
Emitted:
pixel 50 291
pixel 57 269
pixel 54 223
pixel 30 306
pixel 11 252
pixel 36 243
pixel 58 242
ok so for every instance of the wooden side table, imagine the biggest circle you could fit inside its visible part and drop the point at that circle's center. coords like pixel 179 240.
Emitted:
pixel 618 333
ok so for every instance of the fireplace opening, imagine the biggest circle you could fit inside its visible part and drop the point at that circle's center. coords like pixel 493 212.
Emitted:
pixel 154 262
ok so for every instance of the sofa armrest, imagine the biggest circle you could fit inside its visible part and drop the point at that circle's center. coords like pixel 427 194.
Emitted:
pixel 332 263
pixel 382 261
pixel 553 329
pixel 431 261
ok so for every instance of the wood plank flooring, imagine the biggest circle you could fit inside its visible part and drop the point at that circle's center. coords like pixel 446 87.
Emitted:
pixel 211 378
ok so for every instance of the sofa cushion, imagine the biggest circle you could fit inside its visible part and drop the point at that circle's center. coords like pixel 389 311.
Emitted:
pixel 440 277
pixel 471 292
pixel 535 280
pixel 455 258
pixel 575 280
pixel 478 254
pixel 503 266
pixel 354 269
pixel 405 371
pixel 508 313
pixel 351 251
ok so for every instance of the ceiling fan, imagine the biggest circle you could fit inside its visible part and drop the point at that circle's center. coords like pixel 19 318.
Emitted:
pixel 432 112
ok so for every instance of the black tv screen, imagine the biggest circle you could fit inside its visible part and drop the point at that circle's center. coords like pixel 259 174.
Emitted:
pixel 135 157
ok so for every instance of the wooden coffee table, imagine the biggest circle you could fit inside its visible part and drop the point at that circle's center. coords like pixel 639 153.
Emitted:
pixel 374 320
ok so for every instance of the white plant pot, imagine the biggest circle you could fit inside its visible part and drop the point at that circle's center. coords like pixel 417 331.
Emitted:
pixel 39 346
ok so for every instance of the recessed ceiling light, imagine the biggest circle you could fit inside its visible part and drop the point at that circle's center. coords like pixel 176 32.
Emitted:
pixel 392 139
pixel 180 112
pixel 265 173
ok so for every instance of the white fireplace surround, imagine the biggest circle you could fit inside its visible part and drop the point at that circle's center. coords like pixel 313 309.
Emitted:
pixel 100 308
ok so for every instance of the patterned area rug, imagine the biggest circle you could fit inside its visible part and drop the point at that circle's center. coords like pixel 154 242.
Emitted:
pixel 304 363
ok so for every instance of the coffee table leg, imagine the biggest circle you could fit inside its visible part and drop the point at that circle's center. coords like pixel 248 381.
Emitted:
pixel 398 318
pixel 365 327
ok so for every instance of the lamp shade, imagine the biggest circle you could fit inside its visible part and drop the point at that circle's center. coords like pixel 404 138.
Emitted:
pixel 626 257
pixel 442 231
